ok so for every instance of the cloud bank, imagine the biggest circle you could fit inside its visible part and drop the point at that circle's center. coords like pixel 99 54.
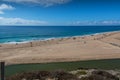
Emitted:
pixel 20 21
pixel 102 22
pixel 5 7
pixel 45 3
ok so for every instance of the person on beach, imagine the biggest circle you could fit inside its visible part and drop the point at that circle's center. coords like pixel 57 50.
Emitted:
pixel 31 44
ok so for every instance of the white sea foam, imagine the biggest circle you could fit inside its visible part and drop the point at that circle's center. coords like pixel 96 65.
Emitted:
pixel 44 39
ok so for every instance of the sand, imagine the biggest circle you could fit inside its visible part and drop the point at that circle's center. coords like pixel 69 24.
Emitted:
pixel 91 47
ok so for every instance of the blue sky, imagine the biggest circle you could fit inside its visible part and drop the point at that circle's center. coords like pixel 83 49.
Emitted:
pixel 59 12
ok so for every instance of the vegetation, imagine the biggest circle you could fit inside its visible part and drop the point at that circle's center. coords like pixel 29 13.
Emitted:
pixel 82 72
pixel 100 75
pixel 62 75
pixel 43 75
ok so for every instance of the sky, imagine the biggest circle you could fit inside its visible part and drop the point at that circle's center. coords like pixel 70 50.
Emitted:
pixel 59 12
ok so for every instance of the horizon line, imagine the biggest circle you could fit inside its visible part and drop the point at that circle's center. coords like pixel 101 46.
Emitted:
pixel 59 25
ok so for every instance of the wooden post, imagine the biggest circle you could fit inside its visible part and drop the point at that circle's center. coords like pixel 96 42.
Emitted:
pixel 2 64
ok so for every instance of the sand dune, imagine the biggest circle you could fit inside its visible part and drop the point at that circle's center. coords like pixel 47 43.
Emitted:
pixel 100 46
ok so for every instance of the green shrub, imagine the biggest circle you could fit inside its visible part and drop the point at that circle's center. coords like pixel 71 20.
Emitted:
pixel 82 72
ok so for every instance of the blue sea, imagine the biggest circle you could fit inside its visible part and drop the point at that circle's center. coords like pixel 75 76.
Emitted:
pixel 13 34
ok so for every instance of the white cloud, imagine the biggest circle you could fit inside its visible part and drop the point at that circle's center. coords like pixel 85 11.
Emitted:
pixel 110 22
pixel 45 3
pixel 102 22
pixel 5 7
pixel 20 21
pixel 1 12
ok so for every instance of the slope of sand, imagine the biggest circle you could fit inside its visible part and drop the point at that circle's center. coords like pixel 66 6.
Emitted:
pixel 100 46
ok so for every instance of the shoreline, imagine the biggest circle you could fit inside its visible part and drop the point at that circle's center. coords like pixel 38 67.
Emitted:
pixel 28 41
pixel 89 47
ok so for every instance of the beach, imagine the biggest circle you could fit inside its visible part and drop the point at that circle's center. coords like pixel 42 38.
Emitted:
pixel 89 47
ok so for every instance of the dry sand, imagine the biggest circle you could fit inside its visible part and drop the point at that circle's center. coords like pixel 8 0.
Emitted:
pixel 100 46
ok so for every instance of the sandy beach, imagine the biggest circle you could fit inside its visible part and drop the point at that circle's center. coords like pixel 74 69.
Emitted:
pixel 91 47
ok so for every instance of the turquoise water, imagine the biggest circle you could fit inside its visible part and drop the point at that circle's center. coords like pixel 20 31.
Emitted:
pixel 11 34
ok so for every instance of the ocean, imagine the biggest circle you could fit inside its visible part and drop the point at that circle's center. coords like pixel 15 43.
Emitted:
pixel 14 34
